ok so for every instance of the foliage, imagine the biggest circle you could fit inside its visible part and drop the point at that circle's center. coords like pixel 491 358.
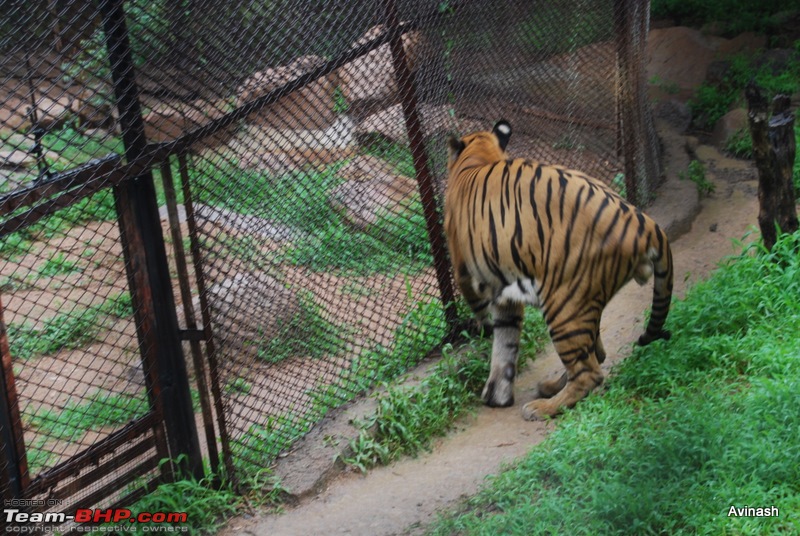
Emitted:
pixel 697 174
pixel 93 413
pixel 740 144
pixel 67 330
pixel 324 241
pixel 307 333
pixel 686 429
pixel 712 101
pixel 736 15
pixel 408 418
pixel 205 503
pixel 421 329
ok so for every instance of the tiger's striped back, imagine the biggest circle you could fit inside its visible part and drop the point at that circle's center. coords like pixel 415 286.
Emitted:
pixel 521 232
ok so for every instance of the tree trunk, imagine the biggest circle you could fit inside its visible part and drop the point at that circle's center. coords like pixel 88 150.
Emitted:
pixel 774 151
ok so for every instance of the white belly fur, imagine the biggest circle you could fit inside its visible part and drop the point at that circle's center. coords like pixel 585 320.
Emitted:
pixel 523 292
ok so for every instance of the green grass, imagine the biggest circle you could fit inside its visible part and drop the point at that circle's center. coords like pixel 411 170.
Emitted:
pixel 686 429
pixel 408 418
pixel 697 174
pixel 325 241
pixel 66 330
pixel 421 330
pixel 93 413
pixel 57 265
pixel 97 207
pixel 308 333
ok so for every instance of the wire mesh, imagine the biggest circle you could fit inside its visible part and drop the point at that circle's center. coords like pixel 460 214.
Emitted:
pixel 313 270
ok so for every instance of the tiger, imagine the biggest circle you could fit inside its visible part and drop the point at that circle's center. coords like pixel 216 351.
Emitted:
pixel 520 233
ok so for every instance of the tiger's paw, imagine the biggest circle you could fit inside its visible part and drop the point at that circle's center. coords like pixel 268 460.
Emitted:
pixel 550 388
pixel 540 410
pixel 498 394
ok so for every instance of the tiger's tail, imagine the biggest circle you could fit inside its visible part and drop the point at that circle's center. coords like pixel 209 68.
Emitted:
pixel 662 290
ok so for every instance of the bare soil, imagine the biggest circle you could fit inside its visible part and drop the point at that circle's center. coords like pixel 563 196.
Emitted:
pixel 404 497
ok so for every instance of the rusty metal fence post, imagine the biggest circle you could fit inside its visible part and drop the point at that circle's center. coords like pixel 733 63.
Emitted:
pixel 407 88
pixel 146 260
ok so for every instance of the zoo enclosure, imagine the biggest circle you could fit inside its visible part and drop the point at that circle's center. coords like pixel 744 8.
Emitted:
pixel 226 217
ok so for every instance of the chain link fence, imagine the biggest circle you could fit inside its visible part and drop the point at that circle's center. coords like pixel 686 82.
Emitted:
pixel 291 158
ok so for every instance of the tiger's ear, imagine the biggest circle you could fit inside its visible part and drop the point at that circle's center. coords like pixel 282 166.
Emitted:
pixel 502 129
pixel 454 147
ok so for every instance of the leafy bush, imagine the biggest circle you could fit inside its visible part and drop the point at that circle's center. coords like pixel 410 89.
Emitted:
pixel 736 15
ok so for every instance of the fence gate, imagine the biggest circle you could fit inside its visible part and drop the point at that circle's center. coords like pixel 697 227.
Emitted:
pixel 94 394
pixel 221 220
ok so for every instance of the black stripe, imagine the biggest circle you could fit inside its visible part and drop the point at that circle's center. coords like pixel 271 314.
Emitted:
pixel 573 333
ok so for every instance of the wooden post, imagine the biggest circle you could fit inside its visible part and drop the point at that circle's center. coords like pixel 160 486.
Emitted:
pixel 774 150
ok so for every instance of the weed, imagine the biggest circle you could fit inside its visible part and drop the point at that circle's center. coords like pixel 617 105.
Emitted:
pixel 58 264
pixel 205 504
pixel 618 184
pixel 397 155
pixel 238 386
pixel 307 333
pixel 340 104
pixel 697 174
pixel 711 102
pixel 66 330
pixel 262 443
pixel 740 144
pixel 325 240
pixel 407 418
pixel 98 410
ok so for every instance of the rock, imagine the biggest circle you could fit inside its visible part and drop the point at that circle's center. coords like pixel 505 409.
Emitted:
pixel 310 107
pixel 747 42
pixel 19 159
pixel 362 202
pixel 235 224
pixel 674 112
pixel 365 167
pixel 14 114
pixel 390 123
pixel 729 125
pixel 172 120
pixel 368 83
pixel 278 151
pixel 678 59
pixel 249 309
pixel 92 111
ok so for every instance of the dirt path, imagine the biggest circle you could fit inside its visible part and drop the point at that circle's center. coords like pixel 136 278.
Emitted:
pixel 405 496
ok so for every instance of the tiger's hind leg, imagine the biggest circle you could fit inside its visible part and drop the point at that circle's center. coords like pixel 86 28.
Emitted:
pixel 499 389
pixel 581 355
pixel 550 388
